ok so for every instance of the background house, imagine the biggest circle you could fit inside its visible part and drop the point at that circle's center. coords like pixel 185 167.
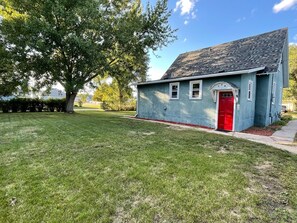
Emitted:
pixel 232 86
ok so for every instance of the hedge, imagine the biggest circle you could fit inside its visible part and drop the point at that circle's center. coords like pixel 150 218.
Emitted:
pixel 33 105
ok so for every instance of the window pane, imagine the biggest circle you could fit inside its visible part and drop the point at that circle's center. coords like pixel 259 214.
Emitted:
pixel 196 86
pixel 174 95
pixel 195 94
pixel 174 87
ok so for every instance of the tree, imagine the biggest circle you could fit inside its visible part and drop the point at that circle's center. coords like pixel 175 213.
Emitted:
pixel 128 69
pixel 82 99
pixel 109 94
pixel 291 92
pixel 10 81
pixel 73 41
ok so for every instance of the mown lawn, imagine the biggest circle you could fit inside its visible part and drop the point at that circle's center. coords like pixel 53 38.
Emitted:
pixel 100 167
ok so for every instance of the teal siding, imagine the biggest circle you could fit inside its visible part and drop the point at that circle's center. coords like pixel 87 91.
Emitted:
pixel 267 112
pixel 154 103
pixel 247 107
pixel 262 100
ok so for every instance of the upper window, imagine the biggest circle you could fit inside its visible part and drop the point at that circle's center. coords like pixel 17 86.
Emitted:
pixel 195 89
pixel 273 92
pixel 250 90
pixel 174 90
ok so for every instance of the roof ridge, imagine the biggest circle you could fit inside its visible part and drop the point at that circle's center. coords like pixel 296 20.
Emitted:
pixel 220 44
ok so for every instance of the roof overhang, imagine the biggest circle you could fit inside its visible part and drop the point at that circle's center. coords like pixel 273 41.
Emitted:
pixel 253 70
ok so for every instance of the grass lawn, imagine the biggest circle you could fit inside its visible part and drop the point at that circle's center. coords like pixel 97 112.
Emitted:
pixel 87 106
pixel 294 114
pixel 99 167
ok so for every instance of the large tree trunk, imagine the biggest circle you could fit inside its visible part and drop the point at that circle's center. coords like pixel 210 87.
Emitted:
pixel 70 97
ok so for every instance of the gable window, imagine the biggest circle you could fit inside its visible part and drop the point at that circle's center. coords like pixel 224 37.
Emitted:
pixel 273 92
pixel 174 90
pixel 195 89
pixel 250 90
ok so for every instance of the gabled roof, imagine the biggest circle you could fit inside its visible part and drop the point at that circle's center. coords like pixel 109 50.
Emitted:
pixel 257 51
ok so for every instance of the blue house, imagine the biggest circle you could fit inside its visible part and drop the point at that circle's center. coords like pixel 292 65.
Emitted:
pixel 231 86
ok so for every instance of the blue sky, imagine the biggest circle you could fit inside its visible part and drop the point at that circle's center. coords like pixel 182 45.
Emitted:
pixel 203 23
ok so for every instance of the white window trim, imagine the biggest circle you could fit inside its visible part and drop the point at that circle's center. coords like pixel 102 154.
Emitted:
pixel 191 89
pixel 170 90
pixel 251 83
pixel 273 92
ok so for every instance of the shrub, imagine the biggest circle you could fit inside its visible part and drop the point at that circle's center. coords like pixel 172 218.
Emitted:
pixel 280 122
pixel 39 104
pixel 286 118
pixel 61 105
pixel 50 103
pixel 13 104
pixel 33 105
pixel 4 106
pixel 23 104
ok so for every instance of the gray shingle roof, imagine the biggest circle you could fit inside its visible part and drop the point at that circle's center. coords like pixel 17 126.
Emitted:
pixel 257 51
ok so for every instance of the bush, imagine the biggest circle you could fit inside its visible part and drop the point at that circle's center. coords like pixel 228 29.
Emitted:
pixel 23 104
pixel 280 122
pixel 13 104
pixel 287 118
pixel 4 106
pixel 33 105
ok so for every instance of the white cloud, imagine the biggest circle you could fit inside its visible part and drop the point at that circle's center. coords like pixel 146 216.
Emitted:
pixel 185 6
pixel 185 39
pixel 186 22
pixel 241 19
pixel 293 44
pixel 155 73
pixel 253 11
pixel 284 5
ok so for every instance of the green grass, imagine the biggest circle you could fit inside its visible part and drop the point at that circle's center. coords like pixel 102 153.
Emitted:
pixel 293 114
pixel 88 106
pixel 101 167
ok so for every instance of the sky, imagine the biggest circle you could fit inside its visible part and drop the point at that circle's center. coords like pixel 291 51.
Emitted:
pixel 204 23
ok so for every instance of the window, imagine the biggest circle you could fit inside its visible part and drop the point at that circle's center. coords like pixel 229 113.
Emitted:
pixel 195 89
pixel 250 90
pixel 273 92
pixel 174 90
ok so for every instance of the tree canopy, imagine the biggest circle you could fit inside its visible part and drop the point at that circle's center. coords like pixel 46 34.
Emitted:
pixel 73 41
pixel 10 81
pixel 291 92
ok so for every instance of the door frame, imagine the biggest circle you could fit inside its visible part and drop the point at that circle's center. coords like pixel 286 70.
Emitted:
pixel 217 108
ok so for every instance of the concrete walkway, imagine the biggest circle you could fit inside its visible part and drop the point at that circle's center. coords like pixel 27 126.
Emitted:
pixel 282 139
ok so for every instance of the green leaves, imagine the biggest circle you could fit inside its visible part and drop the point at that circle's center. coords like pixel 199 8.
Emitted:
pixel 73 41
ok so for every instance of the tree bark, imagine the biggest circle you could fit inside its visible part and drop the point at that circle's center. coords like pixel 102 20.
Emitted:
pixel 70 97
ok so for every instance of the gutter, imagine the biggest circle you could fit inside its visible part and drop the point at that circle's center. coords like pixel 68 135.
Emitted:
pixel 202 76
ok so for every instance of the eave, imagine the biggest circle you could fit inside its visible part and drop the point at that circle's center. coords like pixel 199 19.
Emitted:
pixel 253 70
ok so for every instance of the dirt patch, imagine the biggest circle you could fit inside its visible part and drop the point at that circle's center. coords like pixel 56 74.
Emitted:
pixel 264 166
pixel 266 131
pixel 141 133
pixel 174 127
pixel 148 133
pixel 125 213
pixel 273 196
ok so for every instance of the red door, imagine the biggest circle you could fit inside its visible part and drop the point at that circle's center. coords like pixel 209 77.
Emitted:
pixel 226 110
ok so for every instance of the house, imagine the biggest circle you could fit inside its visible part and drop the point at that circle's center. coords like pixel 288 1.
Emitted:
pixel 54 93
pixel 231 86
